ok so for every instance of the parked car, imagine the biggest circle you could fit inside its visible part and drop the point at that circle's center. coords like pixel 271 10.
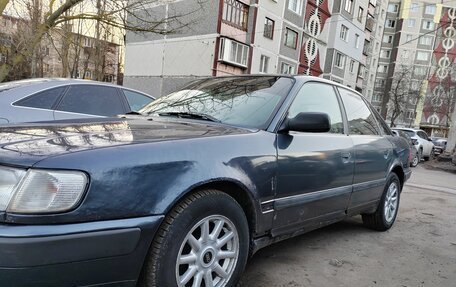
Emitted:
pixel 439 145
pixel 425 145
pixel 184 194
pixel 414 154
pixel 58 99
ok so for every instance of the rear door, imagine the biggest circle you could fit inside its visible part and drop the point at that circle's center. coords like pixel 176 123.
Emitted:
pixel 315 170
pixel 83 101
pixel 373 152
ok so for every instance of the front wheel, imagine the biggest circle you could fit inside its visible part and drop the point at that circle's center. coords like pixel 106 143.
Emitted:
pixel 386 213
pixel 204 241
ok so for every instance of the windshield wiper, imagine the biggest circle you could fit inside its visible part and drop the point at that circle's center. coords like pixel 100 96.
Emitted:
pixel 190 115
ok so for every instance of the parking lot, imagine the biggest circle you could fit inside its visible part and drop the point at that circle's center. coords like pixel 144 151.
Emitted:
pixel 420 250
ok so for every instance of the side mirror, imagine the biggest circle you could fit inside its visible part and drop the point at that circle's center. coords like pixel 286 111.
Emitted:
pixel 308 122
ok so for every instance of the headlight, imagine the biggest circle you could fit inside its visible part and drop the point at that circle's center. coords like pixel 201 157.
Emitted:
pixel 9 179
pixel 42 191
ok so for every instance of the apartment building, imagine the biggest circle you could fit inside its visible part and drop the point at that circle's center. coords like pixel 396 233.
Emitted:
pixel 418 38
pixel 229 37
pixel 61 53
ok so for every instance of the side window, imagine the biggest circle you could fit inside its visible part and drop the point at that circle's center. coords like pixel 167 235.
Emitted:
pixel 42 100
pixel 422 135
pixel 136 100
pixel 92 100
pixel 361 121
pixel 383 126
pixel 317 97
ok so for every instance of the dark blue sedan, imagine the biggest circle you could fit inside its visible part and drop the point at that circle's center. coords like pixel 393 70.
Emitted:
pixel 183 192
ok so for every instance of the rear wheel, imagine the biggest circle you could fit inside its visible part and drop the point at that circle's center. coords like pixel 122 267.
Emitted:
pixel 415 160
pixel 204 241
pixel 386 213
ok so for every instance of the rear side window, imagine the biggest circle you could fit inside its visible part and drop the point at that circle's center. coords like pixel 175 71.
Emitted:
pixel 42 100
pixel 361 121
pixel 321 98
pixel 136 101
pixel 92 100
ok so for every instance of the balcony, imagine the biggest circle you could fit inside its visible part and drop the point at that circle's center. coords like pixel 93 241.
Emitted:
pixel 370 23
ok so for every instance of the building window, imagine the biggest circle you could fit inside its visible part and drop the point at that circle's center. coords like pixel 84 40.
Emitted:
pixel 295 6
pixel 291 38
pixel 411 23
pixel 420 71
pixel 414 7
pixel 348 5
pixel 88 42
pixel 269 28
pixel 233 52
pixel 343 33
pixel 385 54
pixel 422 56
pixel 388 39
pixel 340 60
pixel 428 25
pixel 264 64
pixel 426 40
pixel 380 83
pixel 360 14
pixel 377 98
pixel 382 68
pixel 236 13
pixel 390 23
pixel 356 41
pixel 352 66
pixel 287 69
pixel 430 10
pixel 393 8
pixel 408 37
pixel 362 71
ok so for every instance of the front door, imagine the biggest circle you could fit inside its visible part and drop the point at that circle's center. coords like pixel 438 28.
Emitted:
pixel 315 170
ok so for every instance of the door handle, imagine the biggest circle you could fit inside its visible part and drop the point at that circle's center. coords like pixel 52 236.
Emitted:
pixel 345 156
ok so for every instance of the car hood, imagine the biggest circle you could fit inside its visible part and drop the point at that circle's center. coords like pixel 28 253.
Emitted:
pixel 25 145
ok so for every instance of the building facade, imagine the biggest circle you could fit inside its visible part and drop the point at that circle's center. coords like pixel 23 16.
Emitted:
pixel 61 53
pixel 416 65
pixel 229 37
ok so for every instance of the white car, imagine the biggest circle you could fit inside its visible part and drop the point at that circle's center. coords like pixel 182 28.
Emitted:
pixel 425 146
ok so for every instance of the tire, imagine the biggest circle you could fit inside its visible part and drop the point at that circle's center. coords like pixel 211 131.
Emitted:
pixel 431 155
pixel 210 210
pixel 415 160
pixel 384 218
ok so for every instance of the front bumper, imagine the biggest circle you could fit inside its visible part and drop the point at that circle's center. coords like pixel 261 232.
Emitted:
pixel 108 253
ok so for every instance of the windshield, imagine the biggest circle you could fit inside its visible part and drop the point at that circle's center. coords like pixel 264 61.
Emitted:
pixel 409 133
pixel 241 101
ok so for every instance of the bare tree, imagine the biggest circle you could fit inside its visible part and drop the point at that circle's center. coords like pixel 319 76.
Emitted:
pixel 114 13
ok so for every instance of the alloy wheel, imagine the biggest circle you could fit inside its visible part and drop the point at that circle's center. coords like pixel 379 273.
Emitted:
pixel 208 253
pixel 391 202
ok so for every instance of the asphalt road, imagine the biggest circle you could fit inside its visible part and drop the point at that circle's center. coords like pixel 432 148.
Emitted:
pixel 420 249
